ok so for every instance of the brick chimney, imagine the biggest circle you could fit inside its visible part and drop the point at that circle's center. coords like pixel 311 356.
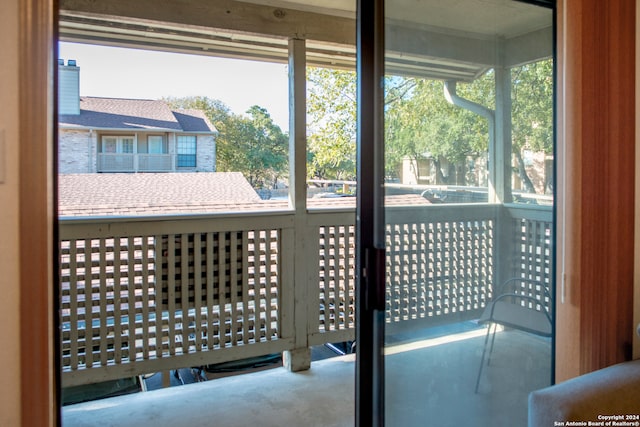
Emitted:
pixel 68 87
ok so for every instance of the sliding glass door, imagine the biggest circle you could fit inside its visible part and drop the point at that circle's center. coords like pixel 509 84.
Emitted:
pixel 456 152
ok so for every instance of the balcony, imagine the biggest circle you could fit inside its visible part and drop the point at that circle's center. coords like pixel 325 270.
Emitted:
pixel 324 395
pixel 154 294
pixel 130 162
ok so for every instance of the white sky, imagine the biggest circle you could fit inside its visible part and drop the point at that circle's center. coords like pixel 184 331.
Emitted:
pixel 140 74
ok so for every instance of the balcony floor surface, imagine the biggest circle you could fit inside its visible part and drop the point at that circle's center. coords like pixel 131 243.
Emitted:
pixel 429 382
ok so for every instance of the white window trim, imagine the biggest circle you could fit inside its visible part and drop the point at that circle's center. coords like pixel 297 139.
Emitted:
pixel 119 143
pixel 155 140
pixel 195 153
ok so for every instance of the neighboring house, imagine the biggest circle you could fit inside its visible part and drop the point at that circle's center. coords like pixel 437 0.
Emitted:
pixel 128 135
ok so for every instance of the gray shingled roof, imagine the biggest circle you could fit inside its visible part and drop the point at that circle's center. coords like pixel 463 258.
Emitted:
pixel 144 114
pixel 193 121
pixel 85 195
pixel 151 193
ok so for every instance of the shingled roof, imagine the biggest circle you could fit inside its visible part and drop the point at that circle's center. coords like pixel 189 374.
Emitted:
pixel 90 195
pixel 143 114
pixel 151 193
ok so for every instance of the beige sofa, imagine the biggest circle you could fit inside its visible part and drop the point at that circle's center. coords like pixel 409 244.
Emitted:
pixel 594 397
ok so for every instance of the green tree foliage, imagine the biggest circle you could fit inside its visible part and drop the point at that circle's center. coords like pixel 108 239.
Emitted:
pixel 420 123
pixel 252 144
pixel 532 113
pixel 257 147
pixel 331 108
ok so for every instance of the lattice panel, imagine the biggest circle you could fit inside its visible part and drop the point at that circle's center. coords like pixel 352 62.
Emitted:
pixel 202 257
pixel 439 268
pixel 122 298
pixel 533 252
pixel 337 278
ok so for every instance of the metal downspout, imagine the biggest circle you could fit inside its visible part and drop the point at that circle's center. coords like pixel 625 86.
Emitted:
pixel 453 98
pixel 489 114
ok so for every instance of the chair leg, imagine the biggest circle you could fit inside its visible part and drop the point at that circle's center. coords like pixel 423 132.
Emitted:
pixel 484 352
pixel 493 340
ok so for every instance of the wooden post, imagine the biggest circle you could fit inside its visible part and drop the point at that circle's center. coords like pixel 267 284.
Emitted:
pixel 299 358
pixel 501 156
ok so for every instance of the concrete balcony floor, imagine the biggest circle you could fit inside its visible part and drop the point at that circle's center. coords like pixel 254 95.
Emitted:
pixel 428 382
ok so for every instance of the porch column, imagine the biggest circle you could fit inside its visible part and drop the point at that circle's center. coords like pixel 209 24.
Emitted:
pixel 136 163
pixel 500 155
pixel 500 177
pixel 299 358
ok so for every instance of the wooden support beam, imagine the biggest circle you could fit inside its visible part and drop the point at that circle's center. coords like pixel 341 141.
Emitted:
pixel 228 15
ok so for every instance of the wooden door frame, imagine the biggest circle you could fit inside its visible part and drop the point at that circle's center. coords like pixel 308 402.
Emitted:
pixel 39 367
pixel 598 309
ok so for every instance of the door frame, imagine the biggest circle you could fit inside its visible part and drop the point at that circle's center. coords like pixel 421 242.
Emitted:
pixel 370 242
pixel 370 269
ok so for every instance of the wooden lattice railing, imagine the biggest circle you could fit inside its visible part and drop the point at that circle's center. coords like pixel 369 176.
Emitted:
pixel 141 295
pixel 147 291
pixel 439 262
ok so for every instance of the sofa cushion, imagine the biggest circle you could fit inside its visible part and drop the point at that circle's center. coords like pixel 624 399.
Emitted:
pixel 606 392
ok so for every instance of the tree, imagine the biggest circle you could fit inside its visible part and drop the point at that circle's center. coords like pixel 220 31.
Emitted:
pixel 253 144
pixel 331 111
pixel 420 123
pixel 532 114
pixel 257 147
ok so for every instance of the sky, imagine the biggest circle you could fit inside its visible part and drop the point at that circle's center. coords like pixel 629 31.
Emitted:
pixel 141 74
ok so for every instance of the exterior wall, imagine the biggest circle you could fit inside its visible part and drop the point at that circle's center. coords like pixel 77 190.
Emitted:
pixel 9 222
pixel 77 151
pixel 472 172
pixel 539 167
pixel 408 173
pixel 205 153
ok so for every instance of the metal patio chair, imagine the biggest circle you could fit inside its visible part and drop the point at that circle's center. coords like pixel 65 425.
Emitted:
pixel 521 304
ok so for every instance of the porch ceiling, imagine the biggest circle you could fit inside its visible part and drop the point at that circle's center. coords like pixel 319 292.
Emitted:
pixel 437 38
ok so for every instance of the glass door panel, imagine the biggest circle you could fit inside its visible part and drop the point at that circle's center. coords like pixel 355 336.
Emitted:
pixel 468 155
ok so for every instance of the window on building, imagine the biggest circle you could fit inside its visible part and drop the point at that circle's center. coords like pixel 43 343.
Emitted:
pixel 186 151
pixel 155 144
pixel 117 144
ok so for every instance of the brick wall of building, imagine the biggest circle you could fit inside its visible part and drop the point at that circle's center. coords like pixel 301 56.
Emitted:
pixel 77 151
pixel 206 153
